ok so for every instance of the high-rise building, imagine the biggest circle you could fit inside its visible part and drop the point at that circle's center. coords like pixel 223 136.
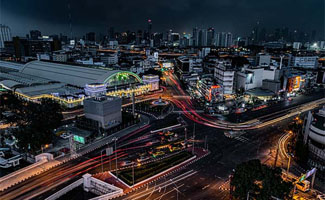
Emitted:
pixel 210 37
pixel 195 36
pixel 204 37
pixel 35 34
pixel 157 39
pixel 256 33
pixel 149 29
pixel 224 39
pixel 139 37
pixel 5 35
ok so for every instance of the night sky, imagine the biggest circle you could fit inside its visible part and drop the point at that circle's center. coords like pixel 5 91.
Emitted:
pixel 237 16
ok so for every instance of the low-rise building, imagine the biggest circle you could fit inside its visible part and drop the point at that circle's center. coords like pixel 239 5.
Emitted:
pixel 106 110
pixel 309 62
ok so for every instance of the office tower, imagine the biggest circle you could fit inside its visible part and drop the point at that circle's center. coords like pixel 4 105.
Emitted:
pixel 210 37
pixel 5 35
pixel 149 29
pixel 195 36
pixel 224 39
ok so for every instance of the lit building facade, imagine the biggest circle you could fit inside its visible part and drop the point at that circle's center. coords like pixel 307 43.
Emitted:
pixel 152 81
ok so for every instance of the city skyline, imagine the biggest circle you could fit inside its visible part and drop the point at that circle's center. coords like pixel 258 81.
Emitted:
pixel 181 16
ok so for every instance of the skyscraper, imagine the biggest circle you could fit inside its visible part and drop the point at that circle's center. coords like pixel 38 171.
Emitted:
pixel 195 36
pixel 223 39
pixel 210 37
pixel 149 29
pixel 5 35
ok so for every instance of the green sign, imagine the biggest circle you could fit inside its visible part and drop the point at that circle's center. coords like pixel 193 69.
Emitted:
pixel 303 177
pixel 79 139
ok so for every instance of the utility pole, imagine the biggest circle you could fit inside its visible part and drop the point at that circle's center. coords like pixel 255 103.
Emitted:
pixel 133 103
pixel 185 131
pixel 101 159
pixel 205 142
pixel 288 167
pixel 193 139
pixel 72 146
pixel 115 139
pixel 313 180
pixel 276 157
pixel 133 173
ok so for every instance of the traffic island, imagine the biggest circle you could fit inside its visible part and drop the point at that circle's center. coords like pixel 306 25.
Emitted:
pixel 148 173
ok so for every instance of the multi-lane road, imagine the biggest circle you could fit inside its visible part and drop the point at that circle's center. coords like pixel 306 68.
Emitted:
pixel 205 179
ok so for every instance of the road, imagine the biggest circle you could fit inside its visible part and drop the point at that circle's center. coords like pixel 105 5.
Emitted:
pixel 210 180
pixel 207 178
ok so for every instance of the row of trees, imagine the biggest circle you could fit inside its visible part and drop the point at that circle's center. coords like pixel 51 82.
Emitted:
pixel 259 181
pixel 35 121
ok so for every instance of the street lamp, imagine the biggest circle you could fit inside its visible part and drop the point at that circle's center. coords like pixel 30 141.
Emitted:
pixel 115 139
pixel 101 158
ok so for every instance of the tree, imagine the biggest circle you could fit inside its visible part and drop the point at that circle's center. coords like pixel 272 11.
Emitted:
pixel 261 181
pixel 35 121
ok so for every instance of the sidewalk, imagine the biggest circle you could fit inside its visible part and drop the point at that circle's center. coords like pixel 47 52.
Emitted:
pixel 37 168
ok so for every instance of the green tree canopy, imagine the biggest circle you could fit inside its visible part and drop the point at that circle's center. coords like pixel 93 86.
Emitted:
pixel 260 180
pixel 35 121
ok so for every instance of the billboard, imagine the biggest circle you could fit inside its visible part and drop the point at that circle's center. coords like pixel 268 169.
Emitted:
pixel 79 139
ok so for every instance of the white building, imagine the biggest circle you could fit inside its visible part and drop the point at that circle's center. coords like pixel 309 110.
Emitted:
pixel 5 35
pixel 297 45
pixel 314 136
pixel 253 77
pixel 111 59
pixel 263 59
pixel 60 57
pixel 225 76
pixel 304 61
pixel 152 80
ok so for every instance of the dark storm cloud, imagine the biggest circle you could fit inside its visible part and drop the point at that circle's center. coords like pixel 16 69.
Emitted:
pixel 97 15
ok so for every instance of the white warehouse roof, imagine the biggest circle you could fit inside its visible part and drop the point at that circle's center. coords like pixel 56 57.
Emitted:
pixel 69 74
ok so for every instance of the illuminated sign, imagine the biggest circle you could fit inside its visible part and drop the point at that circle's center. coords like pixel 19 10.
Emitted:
pixel 79 139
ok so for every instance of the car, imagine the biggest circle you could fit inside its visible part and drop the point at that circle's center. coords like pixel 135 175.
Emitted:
pixel 320 197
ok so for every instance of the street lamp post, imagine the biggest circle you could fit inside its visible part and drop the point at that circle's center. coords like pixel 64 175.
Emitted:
pixel 133 173
pixel 115 139
pixel 101 159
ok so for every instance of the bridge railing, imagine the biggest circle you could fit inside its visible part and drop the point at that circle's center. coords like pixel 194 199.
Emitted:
pixel 65 190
